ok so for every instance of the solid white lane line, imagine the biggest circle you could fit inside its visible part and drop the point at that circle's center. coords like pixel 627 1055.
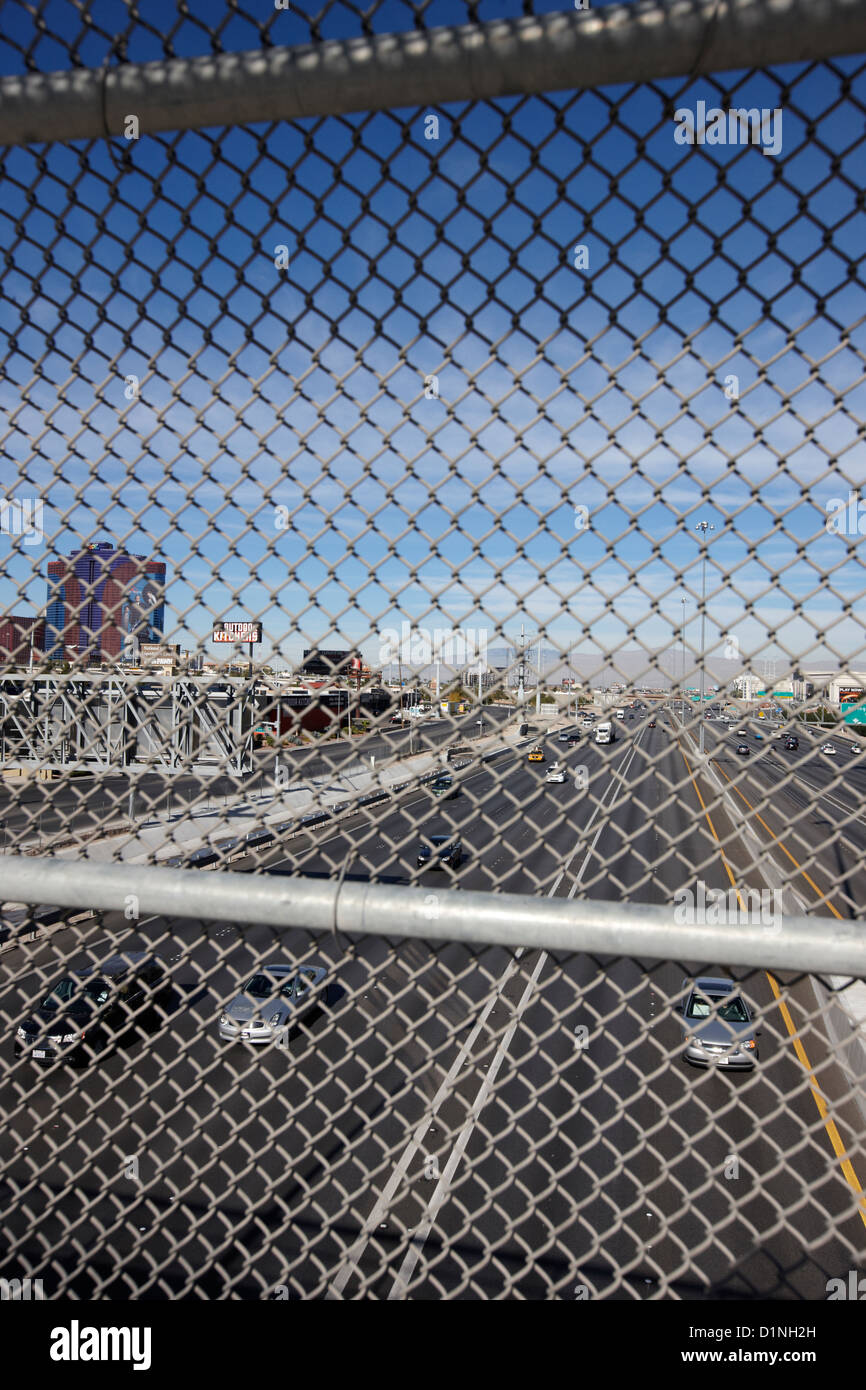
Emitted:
pixel 351 1260
pixel 823 794
pixel 416 1245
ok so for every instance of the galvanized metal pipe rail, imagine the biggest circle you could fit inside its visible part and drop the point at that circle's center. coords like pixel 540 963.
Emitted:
pixel 646 41
pixel 811 944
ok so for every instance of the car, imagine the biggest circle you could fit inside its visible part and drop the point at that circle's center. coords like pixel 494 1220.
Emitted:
pixel 792 741
pixel 829 749
pixel 536 755
pixel 457 751
pixel 444 786
pixel 718 1025
pixel 555 773
pixel 274 998
pixel 651 724
pixel 743 749
pixel 576 737
pixel 759 737
pixel 439 851
pixel 94 1007
pixel 564 736
pixel 742 733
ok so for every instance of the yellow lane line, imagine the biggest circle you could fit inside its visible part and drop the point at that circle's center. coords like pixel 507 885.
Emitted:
pixel 823 1109
pixel 776 841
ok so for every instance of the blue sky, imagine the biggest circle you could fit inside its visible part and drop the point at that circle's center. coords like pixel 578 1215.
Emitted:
pixel 303 388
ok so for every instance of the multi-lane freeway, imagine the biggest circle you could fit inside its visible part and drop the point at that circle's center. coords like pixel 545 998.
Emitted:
pixel 459 1123
pixel 43 814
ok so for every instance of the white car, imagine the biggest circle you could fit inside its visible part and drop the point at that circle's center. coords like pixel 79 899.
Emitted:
pixel 555 774
pixel 829 750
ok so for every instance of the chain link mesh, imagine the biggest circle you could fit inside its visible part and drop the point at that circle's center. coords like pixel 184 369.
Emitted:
pixel 447 393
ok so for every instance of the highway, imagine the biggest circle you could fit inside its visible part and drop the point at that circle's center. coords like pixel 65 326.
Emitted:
pixel 44 813
pixel 441 1129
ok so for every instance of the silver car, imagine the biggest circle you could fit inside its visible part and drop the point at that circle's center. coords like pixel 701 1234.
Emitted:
pixel 272 1001
pixel 718 1026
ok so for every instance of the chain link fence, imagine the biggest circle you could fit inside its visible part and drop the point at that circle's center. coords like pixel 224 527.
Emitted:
pixel 432 694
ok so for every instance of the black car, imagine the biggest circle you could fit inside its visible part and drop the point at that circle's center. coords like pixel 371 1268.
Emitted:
pixel 651 724
pixel 743 749
pixel 444 786
pixel 92 1008
pixel 575 737
pixel 441 850
pixel 792 741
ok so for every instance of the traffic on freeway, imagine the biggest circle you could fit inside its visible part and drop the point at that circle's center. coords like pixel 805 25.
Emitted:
pixel 305 1066
pixel 433 670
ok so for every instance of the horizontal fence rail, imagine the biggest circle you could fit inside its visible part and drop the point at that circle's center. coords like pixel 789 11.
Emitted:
pixel 553 52
pixel 820 944
pixel 432 670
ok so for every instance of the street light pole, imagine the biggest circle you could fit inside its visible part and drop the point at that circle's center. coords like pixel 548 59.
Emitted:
pixel 521 692
pixel 683 678
pixel 703 527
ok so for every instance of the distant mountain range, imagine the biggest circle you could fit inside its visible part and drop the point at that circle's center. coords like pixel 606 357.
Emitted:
pixel 631 666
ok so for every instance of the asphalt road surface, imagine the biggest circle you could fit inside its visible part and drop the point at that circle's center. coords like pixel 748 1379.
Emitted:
pixel 465 1123
pixel 40 813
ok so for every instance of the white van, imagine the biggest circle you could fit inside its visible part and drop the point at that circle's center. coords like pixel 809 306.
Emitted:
pixel 605 734
pixel 620 714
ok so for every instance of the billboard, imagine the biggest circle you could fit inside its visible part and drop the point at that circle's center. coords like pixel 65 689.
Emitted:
pixel 237 632
pixel 317 662
pixel 853 706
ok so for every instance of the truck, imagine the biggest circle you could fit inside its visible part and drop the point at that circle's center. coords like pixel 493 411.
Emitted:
pixel 605 734
pixel 458 750
pixel 453 706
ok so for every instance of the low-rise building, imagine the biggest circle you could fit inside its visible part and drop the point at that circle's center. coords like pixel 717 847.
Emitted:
pixel 18 636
